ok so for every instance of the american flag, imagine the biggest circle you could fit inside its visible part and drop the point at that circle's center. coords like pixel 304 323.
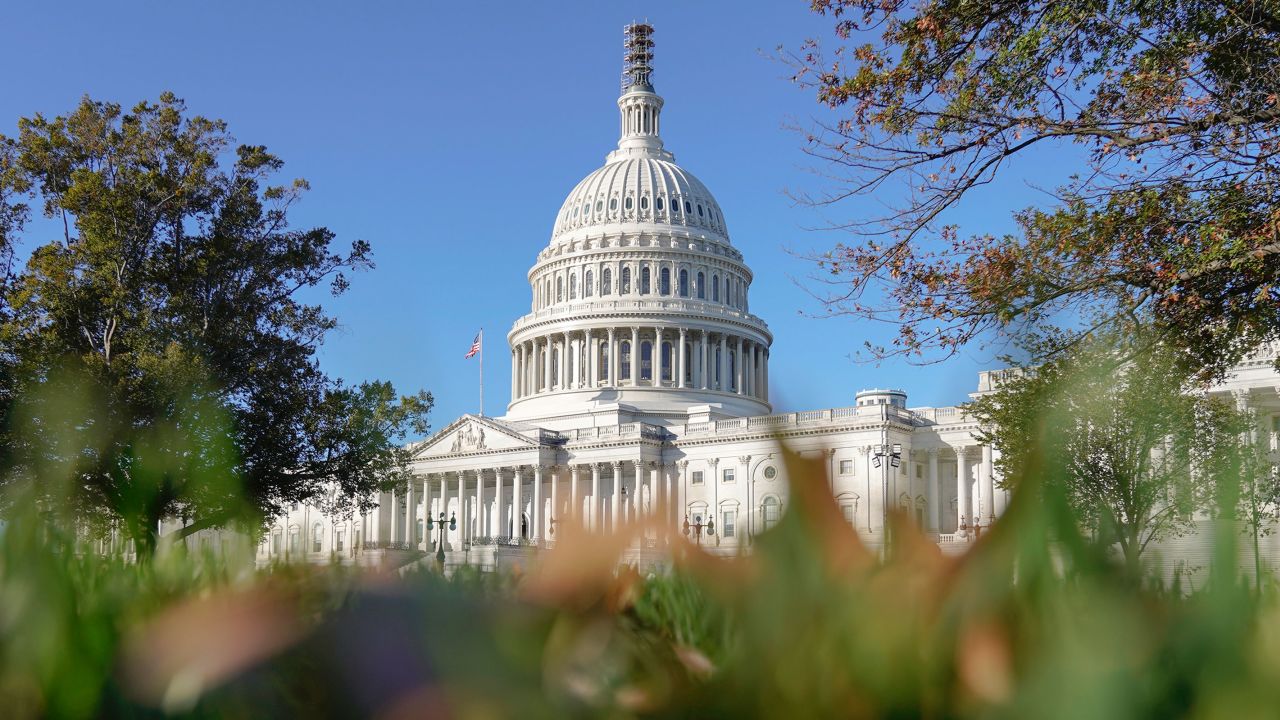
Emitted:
pixel 475 346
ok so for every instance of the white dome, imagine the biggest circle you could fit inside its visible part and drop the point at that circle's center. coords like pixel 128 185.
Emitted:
pixel 641 190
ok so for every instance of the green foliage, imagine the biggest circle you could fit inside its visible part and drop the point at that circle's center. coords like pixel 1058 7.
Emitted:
pixel 1163 118
pixel 172 304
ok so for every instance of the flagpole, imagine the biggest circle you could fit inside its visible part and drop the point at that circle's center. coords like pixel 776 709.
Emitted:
pixel 481 372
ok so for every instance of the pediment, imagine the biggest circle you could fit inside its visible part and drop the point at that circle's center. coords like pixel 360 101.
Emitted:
pixel 472 434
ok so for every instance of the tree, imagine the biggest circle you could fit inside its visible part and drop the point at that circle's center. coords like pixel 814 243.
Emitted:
pixel 159 353
pixel 1134 454
pixel 1168 229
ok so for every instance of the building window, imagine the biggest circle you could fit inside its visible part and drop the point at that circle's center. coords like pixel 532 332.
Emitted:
pixel 846 467
pixel 625 370
pixel 699 209
pixel 613 203
pixel 684 283
pixel 727 518
pixel 644 203
pixel 644 280
pixel 715 288
pixel 728 475
pixel 339 540
pixel 599 205
pixel 559 289
pixel 770 472
pixel 295 541
pixel 277 539
pixel 573 287
pixel 606 282
pixel 771 510
pixel 625 287
pixel 603 365
pixel 646 360
pixel 317 536
pixel 697 478
pixel 698 286
pixel 846 509
pixel 659 204
pixel 555 366
pixel 664 281
pixel 688 209
pixel 626 204
pixel 587 288
pixel 688 365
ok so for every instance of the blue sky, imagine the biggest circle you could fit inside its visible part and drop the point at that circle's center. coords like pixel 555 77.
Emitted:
pixel 448 134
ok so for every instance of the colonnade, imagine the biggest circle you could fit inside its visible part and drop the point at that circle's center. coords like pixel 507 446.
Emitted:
pixel 529 501
pixel 637 356
pixel 672 278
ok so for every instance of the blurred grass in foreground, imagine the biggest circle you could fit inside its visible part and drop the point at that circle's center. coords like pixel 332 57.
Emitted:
pixel 1034 621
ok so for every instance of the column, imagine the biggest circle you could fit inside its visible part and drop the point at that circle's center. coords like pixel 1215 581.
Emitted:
pixel 765 364
pixel 593 515
pixel 613 361
pixel 575 507
pixel 546 364
pixel 684 361
pixel 515 373
pixel 635 357
pixel 658 359
pixel 593 360
pixel 962 486
pixel 538 532
pixel 409 510
pixel 517 504
pixel 737 366
pixel 637 490
pixel 556 518
pixel 722 367
pixel 499 525
pixel 682 492
pixel 988 486
pixel 934 492
pixel 617 495
pixel 444 507
pixel 564 362
pixel 656 495
pixel 705 366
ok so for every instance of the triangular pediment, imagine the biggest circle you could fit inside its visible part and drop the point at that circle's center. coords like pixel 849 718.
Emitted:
pixel 473 434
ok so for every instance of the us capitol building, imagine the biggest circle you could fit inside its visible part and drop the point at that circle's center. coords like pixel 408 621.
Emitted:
pixel 640 386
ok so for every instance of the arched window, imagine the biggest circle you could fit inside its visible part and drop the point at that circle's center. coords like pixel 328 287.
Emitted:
pixel 684 283
pixel 573 287
pixel 613 203
pixel 687 209
pixel 699 286
pixel 624 354
pixel 727 297
pixel 644 203
pixel 733 371
pixel 560 289
pixel 664 281
pixel 666 361
pixel 606 282
pixel 659 204
pixel 317 537
pixel 626 204
pixel 555 367
pixel 625 285
pixel 770 511
pixel 715 288
pixel 587 288
pixel 644 280
pixel 699 209
pixel 646 360
pixel 602 367
pixel 688 366
pixel 599 205
pixel 716 371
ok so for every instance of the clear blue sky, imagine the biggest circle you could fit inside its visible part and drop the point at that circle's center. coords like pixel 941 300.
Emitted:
pixel 448 134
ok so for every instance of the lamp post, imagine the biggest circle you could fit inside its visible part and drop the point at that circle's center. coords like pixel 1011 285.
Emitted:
pixel 893 454
pixel 453 525
pixel 697 527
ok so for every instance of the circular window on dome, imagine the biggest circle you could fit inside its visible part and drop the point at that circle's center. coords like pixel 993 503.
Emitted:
pixel 687 208
pixel 699 211
pixel 644 203
pixel 586 208
pixel 613 203
pixel 599 205
pixel 626 203
pixel 575 212
pixel 770 472
pixel 659 201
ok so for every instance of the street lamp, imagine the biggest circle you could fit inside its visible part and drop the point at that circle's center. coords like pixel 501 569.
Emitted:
pixel 893 453
pixel 453 525
pixel 698 526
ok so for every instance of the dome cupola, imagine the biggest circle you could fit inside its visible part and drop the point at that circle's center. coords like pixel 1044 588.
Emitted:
pixel 639 299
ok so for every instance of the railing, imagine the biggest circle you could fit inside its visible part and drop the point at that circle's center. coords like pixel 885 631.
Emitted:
pixel 577 308
pixel 832 415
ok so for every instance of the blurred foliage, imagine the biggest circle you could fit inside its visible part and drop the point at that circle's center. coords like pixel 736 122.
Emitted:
pixel 1037 619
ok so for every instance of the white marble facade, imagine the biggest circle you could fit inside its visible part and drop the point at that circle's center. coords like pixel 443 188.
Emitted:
pixel 640 380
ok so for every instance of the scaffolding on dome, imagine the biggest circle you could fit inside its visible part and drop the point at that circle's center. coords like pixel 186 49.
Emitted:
pixel 637 61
